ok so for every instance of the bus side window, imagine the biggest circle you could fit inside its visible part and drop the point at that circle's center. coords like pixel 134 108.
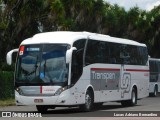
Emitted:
pixel 97 52
pixel 114 54
pixel 90 56
pixel 103 52
pixel 142 55
pixel 145 55
pixel 133 54
pixel 77 60
pixel 124 54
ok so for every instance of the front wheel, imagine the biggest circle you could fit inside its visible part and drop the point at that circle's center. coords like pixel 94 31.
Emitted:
pixel 88 102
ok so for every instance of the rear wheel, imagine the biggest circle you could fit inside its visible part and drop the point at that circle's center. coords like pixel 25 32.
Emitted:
pixel 133 98
pixel 132 101
pixel 154 94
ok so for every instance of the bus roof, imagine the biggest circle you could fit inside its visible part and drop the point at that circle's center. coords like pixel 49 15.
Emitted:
pixel 68 37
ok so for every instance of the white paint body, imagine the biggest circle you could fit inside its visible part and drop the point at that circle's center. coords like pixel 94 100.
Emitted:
pixel 129 75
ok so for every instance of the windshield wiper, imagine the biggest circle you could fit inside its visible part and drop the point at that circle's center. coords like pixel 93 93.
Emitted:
pixel 27 73
pixel 44 70
pixel 36 65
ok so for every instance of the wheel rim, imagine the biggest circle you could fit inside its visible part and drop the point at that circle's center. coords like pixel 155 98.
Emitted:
pixel 88 101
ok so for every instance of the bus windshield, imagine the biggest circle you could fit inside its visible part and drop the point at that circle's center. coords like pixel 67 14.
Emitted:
pixel 41 64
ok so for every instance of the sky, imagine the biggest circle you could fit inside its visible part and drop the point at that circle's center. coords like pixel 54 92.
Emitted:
pixel 142 4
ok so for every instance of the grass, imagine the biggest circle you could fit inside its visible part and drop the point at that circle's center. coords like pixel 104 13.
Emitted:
pixel 7 102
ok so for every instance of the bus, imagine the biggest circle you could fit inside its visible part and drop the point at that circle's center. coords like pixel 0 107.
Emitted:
pixel 154 85
pixel 83 69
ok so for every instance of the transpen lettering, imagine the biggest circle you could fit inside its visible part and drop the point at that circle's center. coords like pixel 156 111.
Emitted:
pixel 102 76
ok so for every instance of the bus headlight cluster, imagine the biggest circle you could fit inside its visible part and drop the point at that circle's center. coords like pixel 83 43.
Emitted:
pixel 60 90
pixel 19 91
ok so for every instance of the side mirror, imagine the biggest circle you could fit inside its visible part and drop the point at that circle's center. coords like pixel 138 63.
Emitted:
pixel 9 56
pixel 69 54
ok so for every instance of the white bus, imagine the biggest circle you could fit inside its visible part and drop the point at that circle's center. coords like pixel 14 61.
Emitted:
pixel 154 85
pixel 79 69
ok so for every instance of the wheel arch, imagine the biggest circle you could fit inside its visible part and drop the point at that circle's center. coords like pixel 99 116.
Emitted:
pixel 156 86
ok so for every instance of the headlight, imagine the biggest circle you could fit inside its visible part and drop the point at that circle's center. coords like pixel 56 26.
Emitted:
pixel 19 91
pixel 60 90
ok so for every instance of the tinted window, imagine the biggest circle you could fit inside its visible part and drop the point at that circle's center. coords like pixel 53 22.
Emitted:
pixel 102 52
pixel 115 50
pixel 53 65
pixel 135 55
pixel 42 64
pixel 115 53
pixel 77 60
pixel 97 52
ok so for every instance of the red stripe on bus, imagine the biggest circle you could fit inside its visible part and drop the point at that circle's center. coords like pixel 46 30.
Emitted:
pixel 111 69
pixel 136 70
pixel 116 69
pixel 40 89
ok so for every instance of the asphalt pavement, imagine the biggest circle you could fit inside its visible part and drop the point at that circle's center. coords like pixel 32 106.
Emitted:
pixel 149 107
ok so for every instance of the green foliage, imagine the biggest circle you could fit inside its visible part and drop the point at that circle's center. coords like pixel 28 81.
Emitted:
pixel 3 26
pixel 7 102
pixel 22 19
pixel 6 85
pixel 5 67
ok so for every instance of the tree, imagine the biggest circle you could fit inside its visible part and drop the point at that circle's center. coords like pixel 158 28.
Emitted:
pixel 21 20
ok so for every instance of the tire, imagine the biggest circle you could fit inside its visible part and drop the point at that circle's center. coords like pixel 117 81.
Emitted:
pixel 155 91
pixel 134 97
pixel 132 101
pixel 88 102
pixel 42 108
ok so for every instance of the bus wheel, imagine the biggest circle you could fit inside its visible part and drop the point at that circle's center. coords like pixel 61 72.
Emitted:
pixel 132 101
pixel 88 102
pixel 155 91
pixel 42 108
pixel 134 97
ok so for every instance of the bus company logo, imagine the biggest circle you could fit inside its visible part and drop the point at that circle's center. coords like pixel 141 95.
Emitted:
pixel 101 74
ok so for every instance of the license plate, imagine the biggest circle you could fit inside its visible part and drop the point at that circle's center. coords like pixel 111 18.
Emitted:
pixel 38 100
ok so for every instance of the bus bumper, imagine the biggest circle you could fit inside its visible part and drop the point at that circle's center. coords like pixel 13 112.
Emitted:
pixel 63 99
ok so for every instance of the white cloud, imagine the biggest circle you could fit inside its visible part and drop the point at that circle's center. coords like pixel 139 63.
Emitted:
pixel 151 6
pixel 142 4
